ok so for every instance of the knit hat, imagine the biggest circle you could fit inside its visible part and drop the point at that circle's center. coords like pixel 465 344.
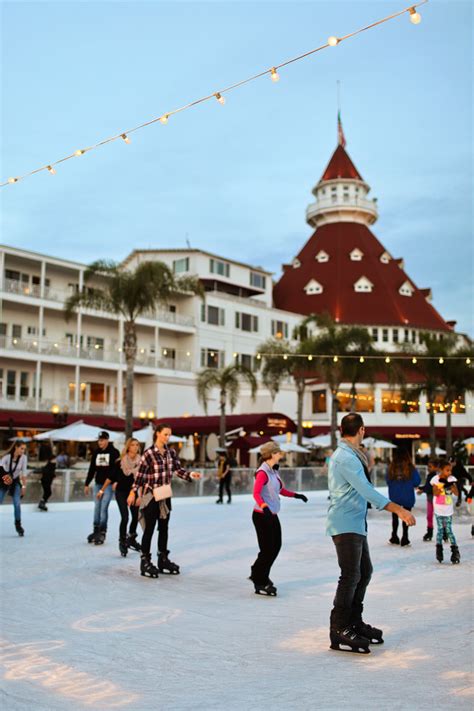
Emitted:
pixel 268 449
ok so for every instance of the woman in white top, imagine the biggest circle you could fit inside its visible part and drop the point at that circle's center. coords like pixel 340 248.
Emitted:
pixel 13 466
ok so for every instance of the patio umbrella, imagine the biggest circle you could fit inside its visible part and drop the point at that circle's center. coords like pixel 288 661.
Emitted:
pixel 469 440
pixel 145 435
pixel 281 439
pixel 425 451
pixel 284 446
pixel 77 432
pixel 372 443
pixel 320 441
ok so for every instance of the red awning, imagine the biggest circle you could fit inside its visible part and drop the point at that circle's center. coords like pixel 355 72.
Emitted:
pixel 29 420
pixel 266 423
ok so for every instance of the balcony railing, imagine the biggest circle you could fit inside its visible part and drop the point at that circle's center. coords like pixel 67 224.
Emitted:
pixel 182 360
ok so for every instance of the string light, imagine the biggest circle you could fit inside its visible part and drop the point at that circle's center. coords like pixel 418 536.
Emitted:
pixel 414 361
pixel 362 359
pixel 310 357
pixel 285 357
pixel 51 170
pixel 468 361
pixel 441 361
pixel 387 359
pixel 125 138
pixel 220 98
pixel 335 359
pixel 332 41
pixel 415 16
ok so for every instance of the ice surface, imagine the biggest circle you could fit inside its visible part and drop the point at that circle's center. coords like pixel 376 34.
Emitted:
pixel 81 629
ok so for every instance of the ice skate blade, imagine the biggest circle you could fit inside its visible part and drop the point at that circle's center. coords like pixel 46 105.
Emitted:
pixel 148 575
pixel 265 594
pixel 376 641
pixel 169 572
pixel 336 647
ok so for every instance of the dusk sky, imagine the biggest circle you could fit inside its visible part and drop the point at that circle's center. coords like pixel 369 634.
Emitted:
pixel 236 179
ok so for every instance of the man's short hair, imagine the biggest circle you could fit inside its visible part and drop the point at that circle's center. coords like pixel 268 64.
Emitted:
pixel 351 424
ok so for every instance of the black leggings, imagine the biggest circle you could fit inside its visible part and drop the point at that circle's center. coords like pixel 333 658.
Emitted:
pixel 395 524
pixel 121 499
pixel 152 516
pixel 46 484
pixel 225 482
pixel 269 541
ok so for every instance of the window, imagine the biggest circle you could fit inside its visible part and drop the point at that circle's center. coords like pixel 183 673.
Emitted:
pixel 322 256
pixel 96 343
pixel 211 358
pixel 392 401
pixel 406 289
pixel 1 382
pixel 212 315
pixel 313 287
pixel 3 329
pixel 375 334
pixel 318 400
pixel 168 353
pixel 279 329
pixel 171 308
pixel 181 265
pixel 356 255
pixel 385 335
pixel 16 331
pixel 413 336
pixel 245 360
pixel 24 389
pixel 11 383
pixel 296 263
pixel 363 285
pixel 395 335
pixel 257 280
pixel 385 258
pixel 345 197
pixel 458 406
pixel 246 322
pixel 216 266
pixel 406 335
pixel 361 401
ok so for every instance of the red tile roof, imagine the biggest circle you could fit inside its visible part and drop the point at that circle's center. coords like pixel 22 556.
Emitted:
pixel 384 305
pixel 340 166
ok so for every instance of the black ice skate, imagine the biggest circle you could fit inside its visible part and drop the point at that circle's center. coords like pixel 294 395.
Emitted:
pixel 394 540
pixel 267 589
pixel 123 548
pixel 147 569
pixel 42 505
pixel 165 565
pixel 362 629
pixel 405 541
pixel 455 555
pixel 439 552
pixel 347 640
pixel 92 536
pixel 19 529
pixel 100 537
pixel 133 543
pixel 428 535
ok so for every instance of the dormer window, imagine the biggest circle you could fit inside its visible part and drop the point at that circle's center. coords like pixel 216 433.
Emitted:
pixel 363 285
pixel 406 289
pixel 356 255
pixel 385 258
pixel 296 263
pixel 313 287
pixel 322 256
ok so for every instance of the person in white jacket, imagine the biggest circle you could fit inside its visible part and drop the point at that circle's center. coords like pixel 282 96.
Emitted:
pixel 13 466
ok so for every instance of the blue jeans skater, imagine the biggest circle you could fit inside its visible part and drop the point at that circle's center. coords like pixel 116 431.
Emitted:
pixel 16 501
pixel 101 506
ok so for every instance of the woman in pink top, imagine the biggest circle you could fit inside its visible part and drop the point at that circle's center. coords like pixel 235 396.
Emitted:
pixel 267 490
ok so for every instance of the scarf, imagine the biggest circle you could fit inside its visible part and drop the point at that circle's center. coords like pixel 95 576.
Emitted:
pixel 130 466
pixel 359 453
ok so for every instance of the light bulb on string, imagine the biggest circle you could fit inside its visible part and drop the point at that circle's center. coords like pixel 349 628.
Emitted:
pixel 415 17
pixel 125 138
pixel 274 75
pixel 387 359
pixel 220 98
pixel 12 180
pixel 468 361
pixel 285 357
pixel 310 357
pixel 362 359
pixel 79 152
pixel 51 170
pixel 441 361
pixel 333 41
pixel 164 119
pixel 335 359
pixel 414 360
pixel 258 356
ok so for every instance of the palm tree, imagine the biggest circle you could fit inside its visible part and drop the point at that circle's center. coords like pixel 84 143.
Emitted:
pixel 227 380
pixel 130 294
pixel 337 341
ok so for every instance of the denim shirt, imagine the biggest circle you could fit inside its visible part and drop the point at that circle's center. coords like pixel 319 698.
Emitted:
pixel 349 491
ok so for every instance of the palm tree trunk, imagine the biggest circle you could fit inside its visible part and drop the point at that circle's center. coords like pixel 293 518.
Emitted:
pixel 334 404
pixel 130 351
pixel 431 414
pixel 449 430
pixel 300 388
pixel 222 419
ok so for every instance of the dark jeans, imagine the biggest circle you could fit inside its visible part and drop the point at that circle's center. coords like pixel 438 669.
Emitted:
pixel 356 570
pixel 404 525
pixel 152 517
pixel 225 481
pixel 46 484
pixel 269 542
pixel 121 499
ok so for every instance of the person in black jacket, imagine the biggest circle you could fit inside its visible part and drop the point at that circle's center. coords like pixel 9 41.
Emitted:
pixel 48 473
pixel 101 467
pixel 462 475
pixel 122 480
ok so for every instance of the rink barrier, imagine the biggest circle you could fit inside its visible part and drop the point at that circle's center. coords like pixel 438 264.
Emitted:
pixel 69 483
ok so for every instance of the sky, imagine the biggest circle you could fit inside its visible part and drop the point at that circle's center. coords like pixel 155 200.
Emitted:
pixel 236 179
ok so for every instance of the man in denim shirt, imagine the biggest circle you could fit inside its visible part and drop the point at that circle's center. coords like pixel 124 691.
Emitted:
pixel 349 492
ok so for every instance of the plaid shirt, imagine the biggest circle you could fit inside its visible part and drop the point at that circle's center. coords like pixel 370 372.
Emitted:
pixel 156 469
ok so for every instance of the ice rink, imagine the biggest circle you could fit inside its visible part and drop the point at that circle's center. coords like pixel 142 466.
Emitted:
pixel 81 629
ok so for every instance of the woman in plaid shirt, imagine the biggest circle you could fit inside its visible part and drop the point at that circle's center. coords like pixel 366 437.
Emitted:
pixel 157 466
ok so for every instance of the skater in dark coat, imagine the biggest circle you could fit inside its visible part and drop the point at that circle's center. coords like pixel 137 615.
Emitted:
pixel 402 480
pixel 347 525
pixel 101 467
pixel 122 479
pixel 48 473
pixel 267 490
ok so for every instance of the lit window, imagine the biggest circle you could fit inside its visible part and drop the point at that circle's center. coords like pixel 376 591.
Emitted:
pixel 313 287
pixel 318 398
pixel 279 329
pixel 363 285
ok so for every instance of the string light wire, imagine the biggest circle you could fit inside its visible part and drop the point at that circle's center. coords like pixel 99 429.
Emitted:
pixel 163 118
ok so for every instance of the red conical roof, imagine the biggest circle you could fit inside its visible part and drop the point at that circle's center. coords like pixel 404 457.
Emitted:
pixel 384 305
pixel 340 166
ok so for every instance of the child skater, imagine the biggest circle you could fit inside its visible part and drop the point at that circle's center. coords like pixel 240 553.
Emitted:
pixel 444 488
pixel 267 490
pixel 402 479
